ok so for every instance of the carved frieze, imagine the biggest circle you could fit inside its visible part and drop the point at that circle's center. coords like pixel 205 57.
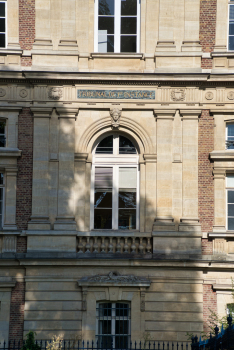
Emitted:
pixel 2 92
pixel 178 95
pixel 230 95
pixel 23 93
pixel 209 95
pixel 55 93
pixel 115 278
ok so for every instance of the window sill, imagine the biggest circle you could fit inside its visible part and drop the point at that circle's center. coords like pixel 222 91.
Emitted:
pixel 120 55
pixel 222 155
pixel 10 152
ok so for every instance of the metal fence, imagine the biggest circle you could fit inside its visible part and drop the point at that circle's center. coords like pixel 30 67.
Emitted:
pixel 95 345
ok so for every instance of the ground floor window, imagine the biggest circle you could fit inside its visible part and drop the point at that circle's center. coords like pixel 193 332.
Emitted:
pixel 230 202
pixel 113 325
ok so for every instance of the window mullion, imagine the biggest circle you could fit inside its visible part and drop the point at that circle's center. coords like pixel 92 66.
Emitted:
pixel 117 24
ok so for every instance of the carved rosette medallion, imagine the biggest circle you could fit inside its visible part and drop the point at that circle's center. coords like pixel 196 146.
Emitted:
pixel 23 93
pixel 178 95
pixel 2 92
pixel 55 93
pixel 230 95
pixel 209 95
pixel 115 114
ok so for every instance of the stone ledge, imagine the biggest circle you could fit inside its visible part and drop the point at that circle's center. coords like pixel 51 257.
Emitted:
pixel 10 152
pixel 222 155
pixel 117 55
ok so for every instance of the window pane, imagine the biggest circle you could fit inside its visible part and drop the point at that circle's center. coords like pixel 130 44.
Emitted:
pixel 231 12
pixel 1 179
pixel 127 219
pixel 231 43
pixel 105 309
pixel 126 146
pixel 106 25
pixel 121 342
pixel 106 145
pixel 105 43
pixel 230 223
pixel 2 9
pixel 122 309
pixel 103 177
pixel 103 219
pixel 105 342
pixel 106 7
pixel 230 196
pixel 128 25
pixel 2 24
pixel 127 199
pixel 121 327
pixel 128 7
pixel 231 210
pixel 128 43
pixel 230 181
pixel 2 40
pixel 103 199
pixel 230 129
pixel 231 28
pixel 2 127
pixel 105 327
pixel 127 178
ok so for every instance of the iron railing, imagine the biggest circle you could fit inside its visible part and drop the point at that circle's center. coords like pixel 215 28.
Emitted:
pixel 95 345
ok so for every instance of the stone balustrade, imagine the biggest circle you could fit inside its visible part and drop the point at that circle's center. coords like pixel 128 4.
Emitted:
pixel 118 245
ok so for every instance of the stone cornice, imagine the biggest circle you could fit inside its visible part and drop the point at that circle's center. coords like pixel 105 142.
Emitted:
pixel 222 155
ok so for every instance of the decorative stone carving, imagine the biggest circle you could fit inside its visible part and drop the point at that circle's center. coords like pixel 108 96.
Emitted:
pixel 55 93
pixel 23 93
pixel 143 299
pixel 230 95
pixel 115 114
pixel 209 95
pixel 2 92
pixel 178 95
pixel 113 278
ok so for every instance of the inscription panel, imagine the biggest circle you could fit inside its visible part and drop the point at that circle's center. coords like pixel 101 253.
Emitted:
pixel 117 94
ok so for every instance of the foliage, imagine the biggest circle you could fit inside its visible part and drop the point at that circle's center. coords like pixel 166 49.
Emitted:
pixel 55 344
pixel 30 343
pixel 145 339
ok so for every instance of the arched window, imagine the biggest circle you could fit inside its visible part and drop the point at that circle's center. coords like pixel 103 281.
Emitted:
pixel 115 189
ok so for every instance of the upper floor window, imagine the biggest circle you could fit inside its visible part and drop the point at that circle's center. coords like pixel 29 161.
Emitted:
pixel 2 185
pixel 230 202
pixel 114 185
pixel 113 325
pixel 117 25
pixel 3 11
pixel 230 136
pixel 2 133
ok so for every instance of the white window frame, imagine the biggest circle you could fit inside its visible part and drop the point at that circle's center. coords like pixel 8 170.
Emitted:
pixel 117 25
pixel 5 128
pixel 2 186
pixel 115 161
pixel 6 41
pixel 113 319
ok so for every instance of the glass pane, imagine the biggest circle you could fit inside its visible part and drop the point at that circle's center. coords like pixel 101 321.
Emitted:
pixel 103 199
pixel 1 179
pixel 128 7
pixel 230 181
pixel 231 28
pixel 105 43
pixel 230 196
pixel 231 210
pixel 127 219
pixel 230 129
pixel 2 9
pixel 122 309
pixel 105 326
pixel 2 24
pixel 103 219
pixel 2 40
pixel 103 177
pixel 121 342
pixel 2 141
pixel 128 43
pixel 127 178
pixel 126 146
pixel 121 327
pixel 106 7
pixel 230 224
pixel 127 199
pixel 106 145
pixel 105 342
pixel 231 12
pixel 128 25
pixel 2 127
pixel 106 25
pixel 231 43
pixel 105 309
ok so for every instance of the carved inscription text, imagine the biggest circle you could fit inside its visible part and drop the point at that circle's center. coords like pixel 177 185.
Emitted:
pixel 117 94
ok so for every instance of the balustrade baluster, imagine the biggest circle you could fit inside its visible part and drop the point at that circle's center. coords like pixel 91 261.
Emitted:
pixel 80 245
pixel 88 246
pixel 133 247
pixel 103 246
pixel 148 246
pixel 141 247
pixel 118 245
pixel 126 245
pixel 95 245
pixel 111 245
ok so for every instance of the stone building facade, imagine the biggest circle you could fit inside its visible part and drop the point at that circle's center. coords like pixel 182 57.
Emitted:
pixel 116 167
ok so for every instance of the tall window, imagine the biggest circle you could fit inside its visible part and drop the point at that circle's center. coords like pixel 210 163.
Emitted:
pixel 230 136
pixel 230 202
pixel 2 133
pixel 117 25
pixel 3 5
pixel 113 325
pixel 114 192
pixel 1 199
